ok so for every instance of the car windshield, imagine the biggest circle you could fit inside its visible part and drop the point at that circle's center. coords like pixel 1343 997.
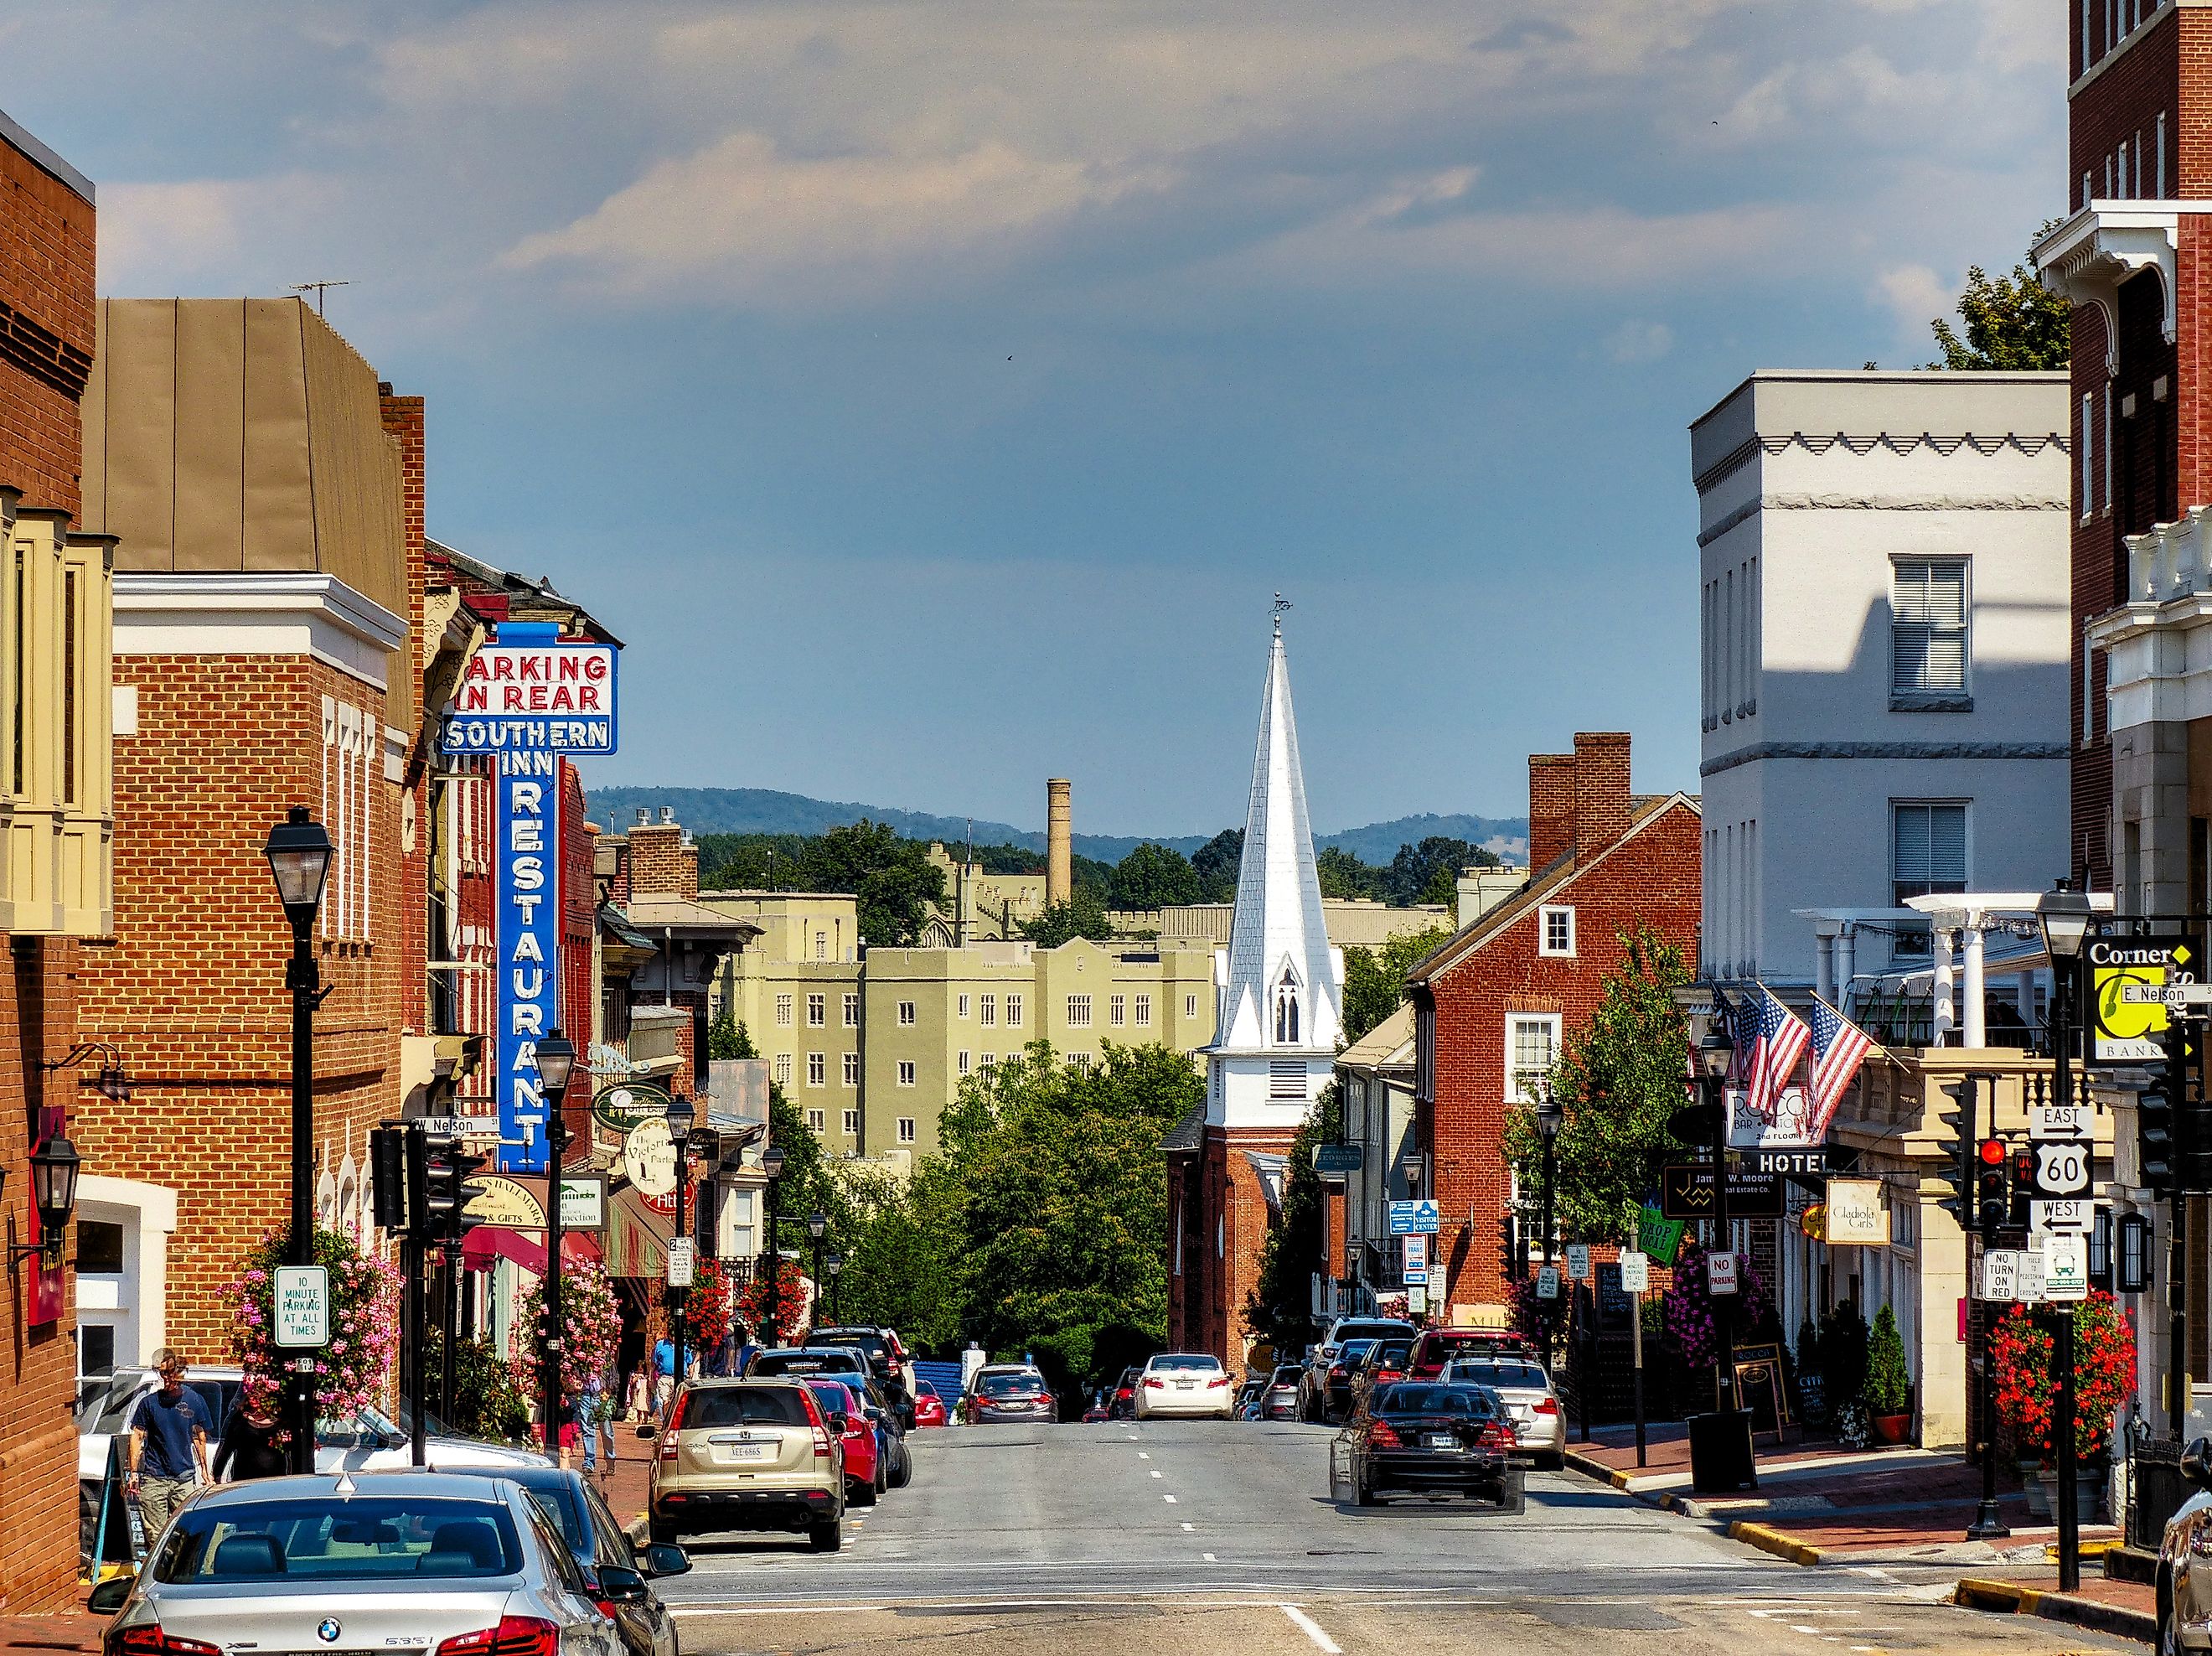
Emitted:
pixel 745 1405
pixel 1365 1330
pixel 1390 1354
pixel 1457 1402
pixel 1521 1375
pixel 1355 1351
pixel 924 1389
pixel 327 1538
pixel 1286 1375
pixel 834 1396
pixel 802 1362
pixel 1195 1362
pixel 1010 1385
pixel 872 1344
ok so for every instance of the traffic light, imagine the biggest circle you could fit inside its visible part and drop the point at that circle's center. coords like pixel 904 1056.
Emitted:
pixel 446 1166
pixel 2191 1113
pixel 1992 1185
pixel 2023 1184
pixel 387 1175
pixel 1959 1122
pixel 2155 1154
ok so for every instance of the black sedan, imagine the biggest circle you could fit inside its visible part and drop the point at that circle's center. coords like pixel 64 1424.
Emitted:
pixel 1417 1437
pixel 615 1573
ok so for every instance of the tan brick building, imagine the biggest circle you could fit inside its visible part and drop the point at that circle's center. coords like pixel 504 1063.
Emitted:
pixel 56 816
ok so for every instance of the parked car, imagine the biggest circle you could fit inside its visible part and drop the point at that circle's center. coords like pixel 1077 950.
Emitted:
pixel 1385 1361
pixel 867 1459
pixel 928 1408
pixel 398 1560
pixel 369 1441
pixel 748 1454
pixel 1345 1329
pixel 803 1362
pixel 1123 1406
pixel 1325 1393
pixel 1423 1435
pixel 1279 1401
pixel 1094 1412
pixel 1001 1394
pixel 894 1370
pixel 603 1552
pixel 1185 1383
pixel 1540 1425
pixel 1434 1347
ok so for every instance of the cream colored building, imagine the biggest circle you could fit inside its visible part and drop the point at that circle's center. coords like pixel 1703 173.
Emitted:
pixel 797 990
pixel 982 907
pixel 1352 922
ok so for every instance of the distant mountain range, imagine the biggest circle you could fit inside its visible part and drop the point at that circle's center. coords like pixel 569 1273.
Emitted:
pixel 765 810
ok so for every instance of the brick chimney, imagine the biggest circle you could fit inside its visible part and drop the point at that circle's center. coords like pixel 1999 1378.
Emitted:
pixel 1551 806
pixel 1600 789
pixel 663 862
pixel 1059 840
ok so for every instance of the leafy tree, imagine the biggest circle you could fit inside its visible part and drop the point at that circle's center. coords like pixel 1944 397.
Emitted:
pixel 1153 876
pixel 2012 322
pixel 1280 1307
pixel 727 1037
pixel 902 1246
pixel 1216 864
pixel 1002 859
pixel 1343 875
pixel 1618 1081
pixel 1082 916
pixel 1429 872
pixel 1375 979
pixel 1088 873
pixel 893 879
pixel 806 1186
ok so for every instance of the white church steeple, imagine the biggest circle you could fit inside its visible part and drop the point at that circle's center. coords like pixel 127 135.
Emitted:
pixel 1280 985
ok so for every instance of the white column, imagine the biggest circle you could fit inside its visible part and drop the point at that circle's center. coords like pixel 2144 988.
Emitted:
pixel 1823 965
pixel 1976 1021
pixel 1946 940
pixel 1847 949
pixel 2024 991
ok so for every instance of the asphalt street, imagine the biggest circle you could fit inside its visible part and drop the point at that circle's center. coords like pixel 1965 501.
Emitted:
pixel 1188 1536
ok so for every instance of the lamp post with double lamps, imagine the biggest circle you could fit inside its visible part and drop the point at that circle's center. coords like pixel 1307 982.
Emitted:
pixel 556 1056
pixel 1550 1115
pixel 298 852
pixel 680 1115
pixel 2064 915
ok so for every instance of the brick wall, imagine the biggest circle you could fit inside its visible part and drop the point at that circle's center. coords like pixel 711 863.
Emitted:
pixel 403 425
pixel 2123 105
pixel 45 349
pixel 661 864
pixel 1550 806
pixel 1600 785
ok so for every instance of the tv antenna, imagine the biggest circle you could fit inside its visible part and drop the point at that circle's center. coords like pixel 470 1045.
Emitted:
pixel 317 289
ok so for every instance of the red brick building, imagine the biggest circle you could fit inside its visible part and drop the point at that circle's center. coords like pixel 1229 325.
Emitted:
pixel 1494 1005
pixel 55 814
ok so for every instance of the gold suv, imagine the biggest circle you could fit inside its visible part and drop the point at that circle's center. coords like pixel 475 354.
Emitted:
pixel 750 1455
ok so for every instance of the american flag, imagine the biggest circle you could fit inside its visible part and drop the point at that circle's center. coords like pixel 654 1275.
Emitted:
pixel 1839 1046
pixel 1770 1038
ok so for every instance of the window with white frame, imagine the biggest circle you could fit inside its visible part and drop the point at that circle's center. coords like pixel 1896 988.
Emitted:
pixel 816 1121
pixel 852 1011
pixel 1117 1010
pixel 906 1012
pixel 987 1063
pixel 1013 1011
pixel 818 1070
pixel 851 1123
pixel 1555 924
pixel 852 1069
pixel 352 764
pixel 1080 1060
pixel 1143 1011
pixel 1532 1040
pixel 964 1006
pixel 1928 856
pixel 1927 637
pixel 783 1069
pixel 986 1010
pixel 783 1010
pixel 906 1072
pixel 906 1129
pixel 1078 1012
pixel 961 1061
pixel 1190 1005
pixel 818 1012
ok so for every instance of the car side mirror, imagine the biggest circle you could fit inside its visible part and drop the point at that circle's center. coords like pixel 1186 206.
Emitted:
pixel 620 1583
pixel 108 1596
pixel 667 1558
pixel 2197 1462
pixel 841 1424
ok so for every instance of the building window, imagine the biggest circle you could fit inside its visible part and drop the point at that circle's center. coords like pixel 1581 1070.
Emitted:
pixel 1928 628
pixel 1013 1011
pixel 851 1123
pixel 964 1006
pixel 1531 1040
pixel 852 1069
pixel 906 1012
pixel 906 1129
pixel 1286 1009
pixel 818 1070
pixel 350 748
pixel 783 1010
pixel 1928 856
pixel 821 945
pixel 1078 1012
pixel 987 1063
pixel 964 1062
pixel 815 1122
pixel 1144 1012
pixel 1080 1060
pixel 1557 923
pixel 987 1013
pixel 818 1011
pixel 783 1069
pixel 1190 1005
pixel 852 1011
pixel 906 1072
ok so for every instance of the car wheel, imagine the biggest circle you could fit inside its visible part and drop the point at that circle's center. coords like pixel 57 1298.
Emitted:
pixel 860 1492
pixel 901 1472
pixel 660 1531
pixel 2169 1636
pixel 826 1536
pixel 1362 1492
pixel 1511 1493
pixel 883 1473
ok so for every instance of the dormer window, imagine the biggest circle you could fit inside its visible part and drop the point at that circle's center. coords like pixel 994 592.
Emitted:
pixel 1286 1009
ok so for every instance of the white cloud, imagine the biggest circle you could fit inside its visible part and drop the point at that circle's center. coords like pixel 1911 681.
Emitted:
pixel 179 237
pixel 1636 341
pixel 1915 296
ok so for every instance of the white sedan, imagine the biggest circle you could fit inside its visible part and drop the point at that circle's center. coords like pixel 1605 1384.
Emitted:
pixel 1178 1382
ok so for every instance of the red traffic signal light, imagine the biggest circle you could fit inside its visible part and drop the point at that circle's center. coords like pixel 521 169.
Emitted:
pixel 1992 1152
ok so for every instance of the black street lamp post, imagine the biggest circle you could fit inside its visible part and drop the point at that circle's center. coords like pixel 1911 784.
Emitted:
pixel 772 1166
pixel 818 1226
pixel 2065 917
pixel 1714 1054
pixel 1550 1114
pixel 835 1263
pixel 680 1115
pixel 299 853
pixel 556 1056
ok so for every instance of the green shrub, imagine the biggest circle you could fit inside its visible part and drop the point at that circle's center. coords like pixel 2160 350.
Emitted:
pixel 487 1402
pixel 1888 1389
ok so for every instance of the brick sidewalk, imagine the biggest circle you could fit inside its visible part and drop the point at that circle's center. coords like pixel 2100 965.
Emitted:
pixel 66 1630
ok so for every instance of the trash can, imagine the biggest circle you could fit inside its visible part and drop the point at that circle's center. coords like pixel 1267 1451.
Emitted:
pixel 1721 1460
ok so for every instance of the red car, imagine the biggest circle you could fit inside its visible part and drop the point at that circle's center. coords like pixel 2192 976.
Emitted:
pixel 1439 1346
pixel 863 1450
pixel 928 1407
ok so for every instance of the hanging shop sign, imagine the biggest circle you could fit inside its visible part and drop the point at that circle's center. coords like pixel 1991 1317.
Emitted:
pixel 527 880
pixel 649 1158
pixel 495 1199
pixel 2132 980
pixel 623 1105
pixel 1686 1192
pixel 1856 1215
pixel 1813 1221
pixel 528 695
pixel 1658 1235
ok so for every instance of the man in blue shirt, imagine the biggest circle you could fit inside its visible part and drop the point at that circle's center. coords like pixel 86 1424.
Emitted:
pixel 664 1370
pixel 168 1445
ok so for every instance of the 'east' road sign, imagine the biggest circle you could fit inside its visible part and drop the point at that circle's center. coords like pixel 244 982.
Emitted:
pixel 1413 1218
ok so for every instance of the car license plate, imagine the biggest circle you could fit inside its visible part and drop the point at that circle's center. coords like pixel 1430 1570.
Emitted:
pixel 1441 1440
pixel 1186 1385
pixel 749 1452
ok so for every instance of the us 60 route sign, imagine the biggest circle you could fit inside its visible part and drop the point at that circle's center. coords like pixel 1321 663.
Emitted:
pixel 2063 1169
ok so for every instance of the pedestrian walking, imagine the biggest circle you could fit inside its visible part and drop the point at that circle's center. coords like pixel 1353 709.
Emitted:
pixel 168 1445
pixel 743 1337
pixel 591 1411
pixel 664 1372
pixel 253 1443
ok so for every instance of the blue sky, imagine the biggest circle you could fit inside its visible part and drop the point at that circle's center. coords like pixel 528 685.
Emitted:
pixel 933 396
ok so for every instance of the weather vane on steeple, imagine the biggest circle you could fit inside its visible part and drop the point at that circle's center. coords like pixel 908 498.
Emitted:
pixel 1282 604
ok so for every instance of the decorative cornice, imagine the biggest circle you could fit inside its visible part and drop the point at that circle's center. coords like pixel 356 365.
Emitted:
pixel 2085 258
pixel 1780 750
pixel 1984 443
pixel 287 614
pixel 1842 503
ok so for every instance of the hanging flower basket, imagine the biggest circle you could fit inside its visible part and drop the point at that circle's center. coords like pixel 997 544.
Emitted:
pixel 708 1310
pixel 592 1330
pixel 2103 1376
pixel 354 1367
pixel 789 1301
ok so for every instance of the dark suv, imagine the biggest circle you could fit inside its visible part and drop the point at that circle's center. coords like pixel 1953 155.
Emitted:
pixel 887 1359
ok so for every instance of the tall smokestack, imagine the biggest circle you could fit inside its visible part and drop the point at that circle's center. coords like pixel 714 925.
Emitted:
pixel 1059 841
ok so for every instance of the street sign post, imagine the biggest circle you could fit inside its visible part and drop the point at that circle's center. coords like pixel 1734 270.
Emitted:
pixel 1414 1218
pixel 680 1256
pixel 2074 1214
pixel 302 1308
pixel 1548 1282
pixel 2129 968
pixel 1413 1271
pixel 2001 1275
pixel 1578 1262
pixel 2065 1266
pixel 1720 1273
pixel 2063 1169
pixel 1635 1272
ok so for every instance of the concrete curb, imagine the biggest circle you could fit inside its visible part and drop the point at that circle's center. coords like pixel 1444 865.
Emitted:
pixel 2011 1598
pixel 1770 1540
pixel 1764 1537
